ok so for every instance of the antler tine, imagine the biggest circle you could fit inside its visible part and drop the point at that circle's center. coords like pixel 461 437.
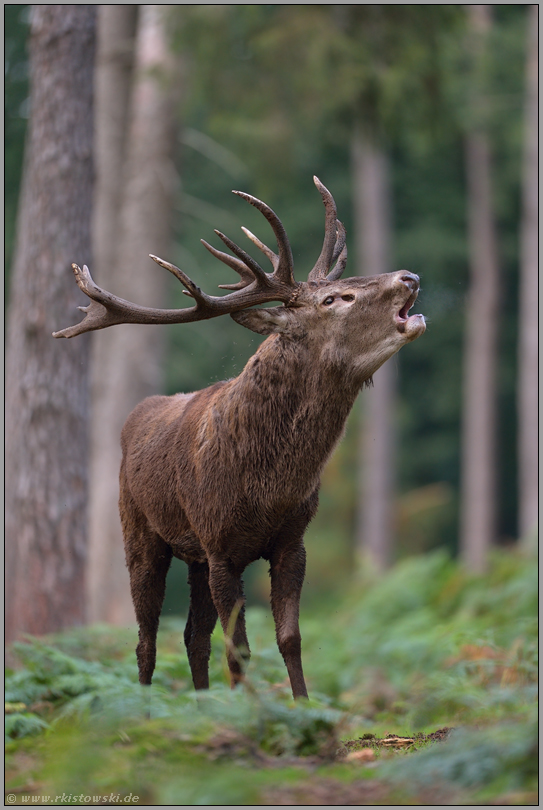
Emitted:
pixel 337 272
pixel 236 264
pixel 341 236
pixel 250 263
pixel 324 261
pixel 283 266
pixel 273 257
pixel 192 289
pixel 339 256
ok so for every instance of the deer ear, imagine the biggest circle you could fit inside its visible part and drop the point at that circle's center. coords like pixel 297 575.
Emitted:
pixel 275 320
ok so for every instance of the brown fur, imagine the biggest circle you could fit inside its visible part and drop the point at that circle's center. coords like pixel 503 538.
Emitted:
pixel 230 474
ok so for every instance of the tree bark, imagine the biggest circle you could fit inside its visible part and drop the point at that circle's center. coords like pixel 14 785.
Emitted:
pixel 373 234
pixel 127 359
pixel 529 306
pixel 478 488
pixel 47 379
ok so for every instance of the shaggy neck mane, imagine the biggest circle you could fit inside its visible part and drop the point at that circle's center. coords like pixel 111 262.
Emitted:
pixel 287 403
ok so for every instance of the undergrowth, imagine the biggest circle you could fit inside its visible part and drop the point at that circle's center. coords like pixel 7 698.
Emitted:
pixel 424 647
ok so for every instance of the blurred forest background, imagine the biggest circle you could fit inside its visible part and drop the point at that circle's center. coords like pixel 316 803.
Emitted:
pixel 126 128
pixel 422 121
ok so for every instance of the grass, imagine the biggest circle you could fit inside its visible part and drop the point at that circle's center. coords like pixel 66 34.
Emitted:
pixel 425 648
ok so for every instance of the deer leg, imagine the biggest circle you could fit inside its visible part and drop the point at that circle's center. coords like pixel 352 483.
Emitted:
pixel 200 623
pixel 148 559
pixel 227 592
pixel 287 571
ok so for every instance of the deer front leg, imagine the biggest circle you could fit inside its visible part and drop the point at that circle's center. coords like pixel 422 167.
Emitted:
pixel 148 560
pixel 200 623
pixel 227 592
pixel 287 571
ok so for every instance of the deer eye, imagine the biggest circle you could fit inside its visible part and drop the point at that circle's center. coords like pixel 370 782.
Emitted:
pixel 347 297
pixel 328 301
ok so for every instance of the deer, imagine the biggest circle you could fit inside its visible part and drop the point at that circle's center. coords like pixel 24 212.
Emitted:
pixel 230 474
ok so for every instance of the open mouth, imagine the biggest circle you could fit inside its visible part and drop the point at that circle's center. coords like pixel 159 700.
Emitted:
pixel 411 326
pixel 402 317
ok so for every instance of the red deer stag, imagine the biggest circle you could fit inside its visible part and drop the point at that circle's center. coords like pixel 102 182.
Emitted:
pixel 224 476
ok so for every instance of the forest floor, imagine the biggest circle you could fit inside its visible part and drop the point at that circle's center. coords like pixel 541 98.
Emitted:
pixel 423 692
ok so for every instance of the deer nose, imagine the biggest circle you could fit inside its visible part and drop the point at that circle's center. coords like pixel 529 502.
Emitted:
pixel 411 280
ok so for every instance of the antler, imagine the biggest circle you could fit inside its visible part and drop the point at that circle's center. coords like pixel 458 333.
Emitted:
pixel 334 248
pixel 255 287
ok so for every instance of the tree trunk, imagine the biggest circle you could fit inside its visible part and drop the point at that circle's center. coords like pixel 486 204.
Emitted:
pixel 127 359
pixel 47 379
pixel 529 306
pixel 373 233
pixel 114 74
pixel 113 80
pixel 478 491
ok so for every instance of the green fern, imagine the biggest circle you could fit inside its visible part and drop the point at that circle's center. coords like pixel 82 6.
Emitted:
pixel 23 724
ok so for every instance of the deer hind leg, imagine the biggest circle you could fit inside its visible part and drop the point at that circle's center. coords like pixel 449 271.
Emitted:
pixel 148 559
pixel 226 589
pixel 200 624
pixel 287 571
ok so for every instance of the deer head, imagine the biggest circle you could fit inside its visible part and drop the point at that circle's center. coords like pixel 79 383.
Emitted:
pixel 361 321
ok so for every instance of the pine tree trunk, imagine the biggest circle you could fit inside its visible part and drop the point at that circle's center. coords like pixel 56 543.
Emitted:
pixel 46 379
pixel 373 233
pixel 128 359
pixel 478 491
pixel 529 305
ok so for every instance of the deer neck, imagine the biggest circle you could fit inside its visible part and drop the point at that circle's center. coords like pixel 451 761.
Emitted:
pixel 292 405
